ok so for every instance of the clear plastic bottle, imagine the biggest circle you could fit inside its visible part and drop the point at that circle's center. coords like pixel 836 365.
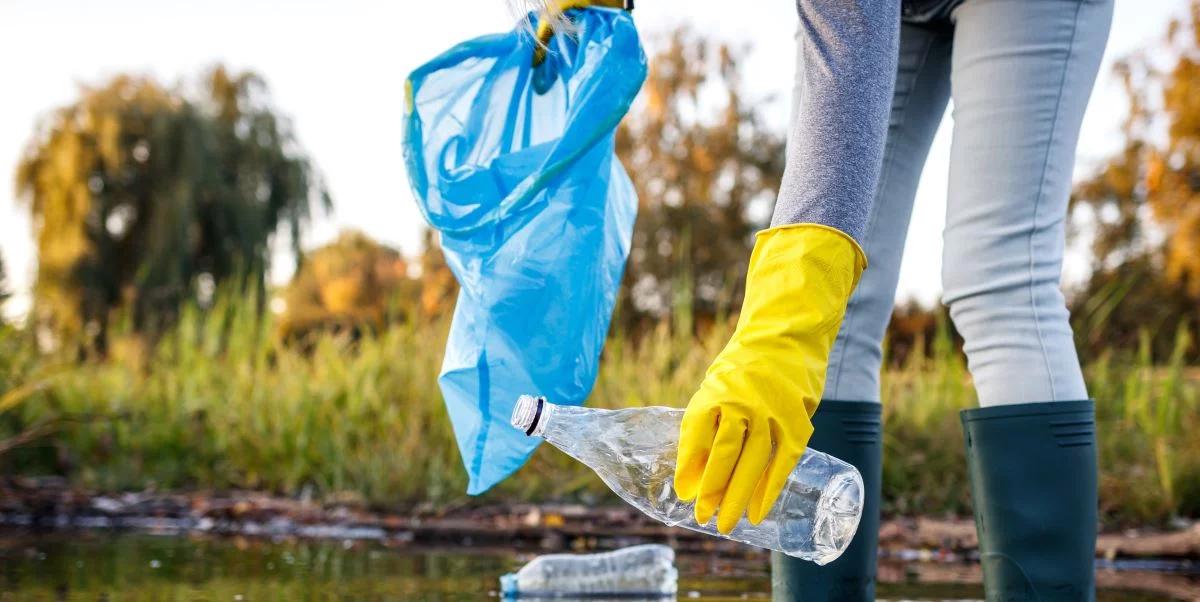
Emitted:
pixel 639 571
pixel 633 451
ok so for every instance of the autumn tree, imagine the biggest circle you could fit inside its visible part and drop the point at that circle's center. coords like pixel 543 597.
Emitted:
pixel 702 160
pixel 438 286
pixel 349 285
pixel 143 194
pixel 1143 204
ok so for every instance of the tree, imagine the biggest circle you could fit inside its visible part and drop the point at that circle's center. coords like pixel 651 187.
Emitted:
pixel 1117 306
pixel 4 292
pixel 700 168
pixel 143 196
pixel 348 285
pixel 355 283
pixel 438 286
pixel 1142 204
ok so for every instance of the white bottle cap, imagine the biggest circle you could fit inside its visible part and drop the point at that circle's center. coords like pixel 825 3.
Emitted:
pixel 527 414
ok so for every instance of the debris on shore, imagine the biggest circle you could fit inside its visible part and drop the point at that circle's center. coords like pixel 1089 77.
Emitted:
pixel 52 504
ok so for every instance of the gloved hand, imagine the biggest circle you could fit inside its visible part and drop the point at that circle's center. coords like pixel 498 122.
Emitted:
pixel 761 391
pixel 553 15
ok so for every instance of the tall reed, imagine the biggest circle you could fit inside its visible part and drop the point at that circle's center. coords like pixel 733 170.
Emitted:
pixel 220 402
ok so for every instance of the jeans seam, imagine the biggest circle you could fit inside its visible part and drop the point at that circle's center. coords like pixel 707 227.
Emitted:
pixel 1062 82
pixel 884 174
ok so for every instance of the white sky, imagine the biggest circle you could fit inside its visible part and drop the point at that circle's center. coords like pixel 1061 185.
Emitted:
pixel 337 68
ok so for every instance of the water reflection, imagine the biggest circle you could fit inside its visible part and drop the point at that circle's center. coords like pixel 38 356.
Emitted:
pixel 99 565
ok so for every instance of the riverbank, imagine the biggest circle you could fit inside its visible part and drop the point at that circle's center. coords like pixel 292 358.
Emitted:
pixel 50 504
pixel 218 405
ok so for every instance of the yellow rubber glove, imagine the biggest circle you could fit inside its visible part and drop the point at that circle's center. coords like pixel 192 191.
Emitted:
pixel 554 14
pixel 747 426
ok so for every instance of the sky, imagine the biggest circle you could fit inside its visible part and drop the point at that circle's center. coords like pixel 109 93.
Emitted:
pixel 337 69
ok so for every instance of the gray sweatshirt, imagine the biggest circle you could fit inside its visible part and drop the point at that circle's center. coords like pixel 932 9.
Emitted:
pixel 848 52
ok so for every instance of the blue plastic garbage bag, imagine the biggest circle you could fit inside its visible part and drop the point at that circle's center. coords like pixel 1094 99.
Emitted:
pixel 514 165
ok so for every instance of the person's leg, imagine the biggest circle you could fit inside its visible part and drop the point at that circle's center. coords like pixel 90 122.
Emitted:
pixel 847 422
pixel 1022 74
pixel 1021 77
pixel 918 105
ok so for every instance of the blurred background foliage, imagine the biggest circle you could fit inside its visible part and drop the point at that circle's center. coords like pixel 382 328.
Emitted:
pixel 702 161
pixel 222 404
pixel 348 285
pixel 1142 207
pixel 156 356
pixel 5 293
pixel 145 196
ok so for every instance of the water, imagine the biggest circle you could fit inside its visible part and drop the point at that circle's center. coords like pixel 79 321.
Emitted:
pixel 98 565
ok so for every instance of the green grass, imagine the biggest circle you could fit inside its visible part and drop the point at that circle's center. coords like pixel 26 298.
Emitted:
pixel 220 403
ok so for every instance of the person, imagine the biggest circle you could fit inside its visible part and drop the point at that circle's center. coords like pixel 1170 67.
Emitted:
pixel 802 367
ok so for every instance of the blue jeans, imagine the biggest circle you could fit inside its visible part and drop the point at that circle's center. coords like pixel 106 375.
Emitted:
pixel 1020 73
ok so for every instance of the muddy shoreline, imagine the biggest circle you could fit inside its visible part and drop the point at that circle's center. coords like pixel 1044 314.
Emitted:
pixel 47 504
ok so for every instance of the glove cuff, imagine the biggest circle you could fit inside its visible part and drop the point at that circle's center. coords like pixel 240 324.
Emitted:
pixel 799 279
pixel 788 229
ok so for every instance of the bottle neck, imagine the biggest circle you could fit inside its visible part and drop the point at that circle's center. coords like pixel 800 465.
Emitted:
pixel 532 414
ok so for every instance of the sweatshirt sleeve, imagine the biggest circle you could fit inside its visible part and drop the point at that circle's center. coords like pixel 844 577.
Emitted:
pixel 845 73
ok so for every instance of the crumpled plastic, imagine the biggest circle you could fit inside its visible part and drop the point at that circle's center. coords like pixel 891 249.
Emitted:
pixel 514 166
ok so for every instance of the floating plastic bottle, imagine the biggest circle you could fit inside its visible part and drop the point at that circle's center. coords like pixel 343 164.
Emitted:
pixel 633 451
pixel 636 572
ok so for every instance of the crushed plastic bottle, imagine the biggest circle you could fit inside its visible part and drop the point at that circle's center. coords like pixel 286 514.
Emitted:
pixel 633 451
pixel 646 571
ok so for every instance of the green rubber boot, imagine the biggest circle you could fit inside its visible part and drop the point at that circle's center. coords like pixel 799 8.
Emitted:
pixel 850 430
pixel 1033 482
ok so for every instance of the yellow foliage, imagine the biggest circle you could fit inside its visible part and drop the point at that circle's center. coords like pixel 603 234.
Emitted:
pixel 1160 175
pixel 352 283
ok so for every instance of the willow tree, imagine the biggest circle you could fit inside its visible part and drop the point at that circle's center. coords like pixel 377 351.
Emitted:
pixel 702 160
pixel 143 196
